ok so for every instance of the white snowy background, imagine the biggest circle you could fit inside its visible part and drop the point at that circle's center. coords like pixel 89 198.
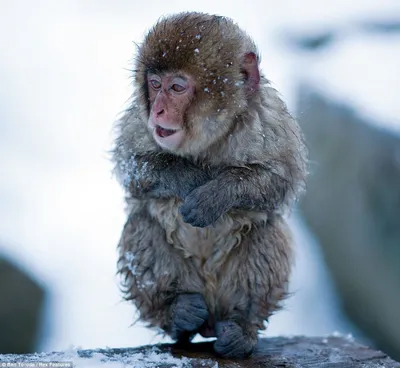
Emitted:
pixel 63 81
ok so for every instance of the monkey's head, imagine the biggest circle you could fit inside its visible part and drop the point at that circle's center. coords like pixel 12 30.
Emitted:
pixel 195 74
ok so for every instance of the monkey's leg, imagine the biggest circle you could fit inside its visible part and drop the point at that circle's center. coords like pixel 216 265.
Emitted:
pixel 164 286
pixel 252 285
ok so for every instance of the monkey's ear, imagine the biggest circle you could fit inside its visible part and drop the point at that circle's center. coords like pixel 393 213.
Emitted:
pixel 251 73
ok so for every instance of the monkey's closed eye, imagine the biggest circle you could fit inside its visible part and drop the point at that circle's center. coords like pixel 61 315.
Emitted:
pixel 177 88
pixel 155 84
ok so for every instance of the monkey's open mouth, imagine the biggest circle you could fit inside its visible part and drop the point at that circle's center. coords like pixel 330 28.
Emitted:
pixel 162 132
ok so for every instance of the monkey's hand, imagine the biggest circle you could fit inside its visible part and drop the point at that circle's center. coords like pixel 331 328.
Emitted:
pixel 204 205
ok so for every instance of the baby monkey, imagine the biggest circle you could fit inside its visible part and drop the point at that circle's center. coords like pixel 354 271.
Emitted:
pixel 211 160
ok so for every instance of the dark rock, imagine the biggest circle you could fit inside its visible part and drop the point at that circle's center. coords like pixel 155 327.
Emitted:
pixel 352 205
pixel 20 309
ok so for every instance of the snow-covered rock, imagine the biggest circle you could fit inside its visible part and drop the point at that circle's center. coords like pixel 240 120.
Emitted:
pixel 293 351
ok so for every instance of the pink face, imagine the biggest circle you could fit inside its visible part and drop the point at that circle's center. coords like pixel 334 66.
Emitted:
pixel 170 96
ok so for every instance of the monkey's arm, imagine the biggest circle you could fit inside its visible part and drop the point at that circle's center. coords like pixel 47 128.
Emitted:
pixel 162 175
pixel 254 187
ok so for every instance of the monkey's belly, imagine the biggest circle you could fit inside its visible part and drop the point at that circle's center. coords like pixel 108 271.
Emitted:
pixel 211 244
pixel 207 249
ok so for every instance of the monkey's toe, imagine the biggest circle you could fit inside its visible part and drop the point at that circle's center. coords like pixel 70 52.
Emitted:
pixel 190 312
pixel 231 341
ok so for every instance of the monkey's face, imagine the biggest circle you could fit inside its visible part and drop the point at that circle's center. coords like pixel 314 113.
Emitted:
pixel 170 96
pixel 193 84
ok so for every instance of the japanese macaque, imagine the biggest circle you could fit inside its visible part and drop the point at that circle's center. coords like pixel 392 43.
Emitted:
pixel 211 160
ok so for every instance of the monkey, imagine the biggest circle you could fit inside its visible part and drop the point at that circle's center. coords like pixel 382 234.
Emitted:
pixel 211 162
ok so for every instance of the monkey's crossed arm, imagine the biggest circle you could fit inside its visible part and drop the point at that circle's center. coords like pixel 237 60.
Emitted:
pixel 254 187
pixel 164 175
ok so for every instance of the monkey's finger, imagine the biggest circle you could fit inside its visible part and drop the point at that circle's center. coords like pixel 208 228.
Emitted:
pixel 187 314
pixel 186 209
pixel 192 217
pixel 225 328
pixel 188 322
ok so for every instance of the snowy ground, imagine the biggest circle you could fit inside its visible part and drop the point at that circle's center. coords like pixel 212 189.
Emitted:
pixel 150 359
pixel 61 213
pixel 290 351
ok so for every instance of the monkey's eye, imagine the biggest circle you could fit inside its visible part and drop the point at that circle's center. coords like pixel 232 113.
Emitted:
pixel 155 84
pixel 177 88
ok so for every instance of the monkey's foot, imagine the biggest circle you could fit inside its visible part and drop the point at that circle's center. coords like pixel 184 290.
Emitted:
pixel 189 313
pixel 232 342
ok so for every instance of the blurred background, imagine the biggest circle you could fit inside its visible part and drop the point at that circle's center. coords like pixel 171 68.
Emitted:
pixel 64 78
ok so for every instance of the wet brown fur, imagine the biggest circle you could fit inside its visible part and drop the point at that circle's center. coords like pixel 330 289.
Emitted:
pixel 249 148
